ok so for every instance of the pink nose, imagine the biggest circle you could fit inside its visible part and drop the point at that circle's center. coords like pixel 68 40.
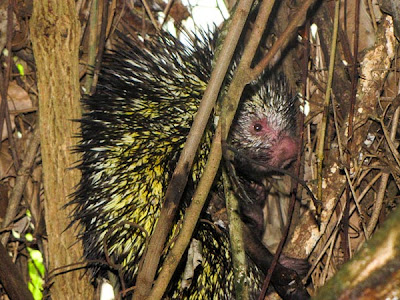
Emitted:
pixel 284 151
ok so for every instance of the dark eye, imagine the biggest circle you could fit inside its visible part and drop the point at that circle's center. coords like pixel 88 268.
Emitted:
pixel 258 127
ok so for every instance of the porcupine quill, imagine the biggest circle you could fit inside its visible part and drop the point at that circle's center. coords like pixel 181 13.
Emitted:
pixel 133 130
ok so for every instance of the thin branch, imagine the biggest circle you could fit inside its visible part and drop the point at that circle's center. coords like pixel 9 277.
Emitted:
pixel 297 21
pixel 20 182
pixel 166 12
pixel 350 132
pixel 101 45
pixel 239 261
pixel 150 14
pixel 179 177
pixel 336 228
pixel 93 41
pixel 323 128
pixel 385 178
pixel 192 213
pixel 4 111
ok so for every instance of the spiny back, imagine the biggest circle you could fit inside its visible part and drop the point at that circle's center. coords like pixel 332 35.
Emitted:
pixel 132 135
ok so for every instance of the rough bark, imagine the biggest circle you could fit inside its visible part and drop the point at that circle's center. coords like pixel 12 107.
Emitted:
pixel 55 32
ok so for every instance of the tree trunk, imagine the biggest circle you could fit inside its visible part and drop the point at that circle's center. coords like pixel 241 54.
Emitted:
pixel 55 32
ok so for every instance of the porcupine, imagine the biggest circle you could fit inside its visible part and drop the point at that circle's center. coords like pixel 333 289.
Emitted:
pixel 133 130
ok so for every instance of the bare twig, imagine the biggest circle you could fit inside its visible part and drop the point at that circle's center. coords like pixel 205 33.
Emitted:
pixel 323 128
pixel 384 180
pixel 166 11
pixel 350 131
pixel 239 261
pixel 192 213
pixel 150 14
pixel 180 175
pixel 93 38
pixel 297 20
pixel 4 111
pixel 22 177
